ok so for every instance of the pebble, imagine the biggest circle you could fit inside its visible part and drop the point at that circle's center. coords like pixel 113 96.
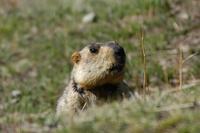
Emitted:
pixel 90 17
pixel 16 93
pixel 183 16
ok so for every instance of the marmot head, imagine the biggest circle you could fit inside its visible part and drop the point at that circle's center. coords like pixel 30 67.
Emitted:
pixel 98 64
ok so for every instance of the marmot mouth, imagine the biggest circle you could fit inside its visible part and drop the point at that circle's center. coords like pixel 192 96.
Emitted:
pixel 116 68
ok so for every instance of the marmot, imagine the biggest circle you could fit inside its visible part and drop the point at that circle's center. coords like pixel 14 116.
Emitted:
pixel 97 77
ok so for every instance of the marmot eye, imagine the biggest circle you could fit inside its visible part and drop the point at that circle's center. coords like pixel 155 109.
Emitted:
pixel 94 48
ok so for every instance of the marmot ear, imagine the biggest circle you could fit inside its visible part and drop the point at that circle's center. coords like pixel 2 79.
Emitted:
pixel 76 57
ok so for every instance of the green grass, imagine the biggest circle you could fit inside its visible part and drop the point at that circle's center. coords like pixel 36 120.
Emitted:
pixel 36 42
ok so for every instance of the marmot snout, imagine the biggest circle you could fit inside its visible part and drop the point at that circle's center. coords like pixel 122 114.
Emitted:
pixel 97 76
pixel 119 55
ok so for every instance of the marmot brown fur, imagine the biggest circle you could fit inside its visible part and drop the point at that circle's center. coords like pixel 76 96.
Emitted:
pixel 97 77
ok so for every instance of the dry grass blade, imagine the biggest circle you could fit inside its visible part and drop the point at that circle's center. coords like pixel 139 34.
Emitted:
pixel 191 105
pixel 189 57
pixel 144 61
pixel 180 64
pixel 174 90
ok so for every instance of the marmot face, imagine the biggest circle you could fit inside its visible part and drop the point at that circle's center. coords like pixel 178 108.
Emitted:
pixel 98 64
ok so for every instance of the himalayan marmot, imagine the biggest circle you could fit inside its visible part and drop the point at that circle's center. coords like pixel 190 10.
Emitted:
pixel 97 77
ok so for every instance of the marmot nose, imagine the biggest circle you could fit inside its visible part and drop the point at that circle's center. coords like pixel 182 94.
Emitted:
pixel 118 52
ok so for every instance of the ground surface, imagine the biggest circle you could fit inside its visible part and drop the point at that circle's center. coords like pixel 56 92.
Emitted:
pixel 38 37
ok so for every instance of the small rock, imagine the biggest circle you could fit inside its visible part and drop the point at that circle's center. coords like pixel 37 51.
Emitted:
pixel 183 16
pixel 90 17
pixel 16 93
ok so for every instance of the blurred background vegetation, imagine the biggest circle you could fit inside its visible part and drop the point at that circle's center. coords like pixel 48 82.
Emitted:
pixel 37 38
